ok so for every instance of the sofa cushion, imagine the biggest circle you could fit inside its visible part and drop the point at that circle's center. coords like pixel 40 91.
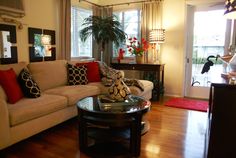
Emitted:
pixel 93 72
pixel 17 68
pixel 28 85
pixel 49 74
pixel 30 108
pixel 148 86
pixel 8 81
pixel 100 85
pixel 74 93
pixel 77 75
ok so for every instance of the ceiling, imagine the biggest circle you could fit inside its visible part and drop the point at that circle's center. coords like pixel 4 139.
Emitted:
pixel 205 2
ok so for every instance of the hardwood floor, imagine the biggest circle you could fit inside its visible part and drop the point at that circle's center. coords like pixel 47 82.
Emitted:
pixel 174 133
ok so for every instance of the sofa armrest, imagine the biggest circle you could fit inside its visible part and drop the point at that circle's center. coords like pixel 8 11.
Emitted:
pixel 4 124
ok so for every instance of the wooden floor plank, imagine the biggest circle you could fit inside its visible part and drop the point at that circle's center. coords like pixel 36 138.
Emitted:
pixel 174 133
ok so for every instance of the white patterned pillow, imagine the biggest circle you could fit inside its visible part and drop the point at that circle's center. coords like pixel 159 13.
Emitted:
pixel 77 75
pixel 28 85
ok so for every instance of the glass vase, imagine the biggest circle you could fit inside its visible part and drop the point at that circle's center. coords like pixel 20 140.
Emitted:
pixel 139 59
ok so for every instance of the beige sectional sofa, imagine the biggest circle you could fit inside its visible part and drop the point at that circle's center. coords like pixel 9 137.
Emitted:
pixel 56 104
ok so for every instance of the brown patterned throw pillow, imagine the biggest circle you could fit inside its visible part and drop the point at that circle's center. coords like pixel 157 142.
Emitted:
pixel 77 75
pixel 28 85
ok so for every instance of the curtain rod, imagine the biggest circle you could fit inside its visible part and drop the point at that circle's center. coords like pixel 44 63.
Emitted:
pixel 126 3
pixel 90 3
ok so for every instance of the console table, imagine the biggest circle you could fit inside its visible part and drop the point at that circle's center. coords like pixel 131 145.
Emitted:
pixel 158 80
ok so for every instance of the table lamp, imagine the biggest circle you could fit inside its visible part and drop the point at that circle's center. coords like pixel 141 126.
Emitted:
pixel 156 36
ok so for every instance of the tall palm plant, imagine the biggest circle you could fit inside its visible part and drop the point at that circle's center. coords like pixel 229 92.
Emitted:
pixel 103 30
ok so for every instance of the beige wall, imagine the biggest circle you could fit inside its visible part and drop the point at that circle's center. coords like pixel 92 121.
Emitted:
pixel 173 50
pixel 38 14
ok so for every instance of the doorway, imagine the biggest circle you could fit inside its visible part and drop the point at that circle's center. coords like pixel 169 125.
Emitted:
pixel 206 32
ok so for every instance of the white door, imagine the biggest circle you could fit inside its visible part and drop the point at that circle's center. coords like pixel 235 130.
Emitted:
pixel 206 32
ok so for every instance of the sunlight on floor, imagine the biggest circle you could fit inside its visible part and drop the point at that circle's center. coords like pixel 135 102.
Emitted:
pixel 195 134
pixel 155 149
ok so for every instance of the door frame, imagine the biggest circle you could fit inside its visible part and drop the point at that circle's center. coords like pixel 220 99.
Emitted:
pixel 191 91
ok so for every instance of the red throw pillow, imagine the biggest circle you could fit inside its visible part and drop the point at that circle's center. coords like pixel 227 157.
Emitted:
pixel 93 73
pixel 8 81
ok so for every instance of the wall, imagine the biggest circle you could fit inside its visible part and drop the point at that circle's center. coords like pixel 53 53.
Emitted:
pixel 173 50
pixel 38 14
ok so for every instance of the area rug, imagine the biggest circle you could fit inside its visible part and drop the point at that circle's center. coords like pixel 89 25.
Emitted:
pixel 190 104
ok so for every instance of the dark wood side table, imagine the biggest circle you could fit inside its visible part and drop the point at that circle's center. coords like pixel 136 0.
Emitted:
pixel 158 80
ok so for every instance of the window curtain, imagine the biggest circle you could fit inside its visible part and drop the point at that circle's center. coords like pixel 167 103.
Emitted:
pixel 107 53
pixel 65 30
pixel 96 49
pixel 107 56
pixel 151 18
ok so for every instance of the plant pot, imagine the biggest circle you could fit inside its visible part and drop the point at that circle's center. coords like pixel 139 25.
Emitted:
pixel 140 59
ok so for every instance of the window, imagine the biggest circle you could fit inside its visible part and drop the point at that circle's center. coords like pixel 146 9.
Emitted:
pixel 130 21
pixel 209 40
pixel 78 48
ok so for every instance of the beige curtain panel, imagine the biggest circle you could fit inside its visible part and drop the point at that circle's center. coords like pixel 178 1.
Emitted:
pixel 107 54
pixel 151 18
pixel 96 52
pixel 65 28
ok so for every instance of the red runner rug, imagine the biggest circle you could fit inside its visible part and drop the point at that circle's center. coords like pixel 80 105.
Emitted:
pixel 190 104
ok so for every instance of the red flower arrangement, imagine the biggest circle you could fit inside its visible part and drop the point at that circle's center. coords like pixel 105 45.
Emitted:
pixel 137 48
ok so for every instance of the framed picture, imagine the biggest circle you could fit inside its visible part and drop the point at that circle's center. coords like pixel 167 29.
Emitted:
pixel 32 32
pixel 52 34
pixel 42 41
pixel 8 50
pixel 12 59
pixel 34 57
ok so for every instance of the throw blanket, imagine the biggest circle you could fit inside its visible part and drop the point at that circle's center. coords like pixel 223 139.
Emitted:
pixel 109 75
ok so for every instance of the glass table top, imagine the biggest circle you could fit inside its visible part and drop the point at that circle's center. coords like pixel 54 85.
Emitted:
pixel 102 104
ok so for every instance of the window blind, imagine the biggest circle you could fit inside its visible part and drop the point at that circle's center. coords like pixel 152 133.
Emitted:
pixel 13 8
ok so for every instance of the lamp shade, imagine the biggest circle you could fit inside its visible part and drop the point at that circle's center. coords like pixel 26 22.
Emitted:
pixel 230 6
pixel 157 36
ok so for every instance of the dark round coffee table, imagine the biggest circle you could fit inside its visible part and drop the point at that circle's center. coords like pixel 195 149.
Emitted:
pixel 95 112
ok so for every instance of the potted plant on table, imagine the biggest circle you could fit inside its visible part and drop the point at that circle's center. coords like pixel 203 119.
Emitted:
pixel 137 48
pixel 103 31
